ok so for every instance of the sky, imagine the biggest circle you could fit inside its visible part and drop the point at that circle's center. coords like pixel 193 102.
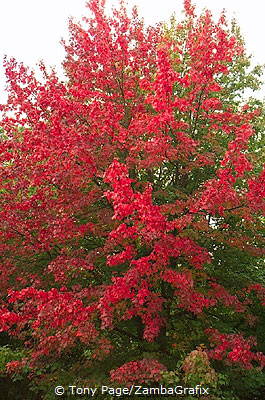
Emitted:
pixel 31 30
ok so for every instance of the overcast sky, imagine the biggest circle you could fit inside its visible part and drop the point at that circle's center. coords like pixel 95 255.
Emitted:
pixel 31 30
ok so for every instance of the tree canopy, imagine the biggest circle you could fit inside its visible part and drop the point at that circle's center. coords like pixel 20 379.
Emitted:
pixel 132 210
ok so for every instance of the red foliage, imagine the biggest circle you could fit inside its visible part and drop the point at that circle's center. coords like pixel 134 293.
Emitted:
pixel 235 349
pixel 143 371
pixel 80 199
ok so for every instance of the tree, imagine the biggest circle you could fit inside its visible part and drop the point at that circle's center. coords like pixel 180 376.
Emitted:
pixel 131 208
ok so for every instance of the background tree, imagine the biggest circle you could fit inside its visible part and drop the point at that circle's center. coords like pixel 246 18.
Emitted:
pixel 131 205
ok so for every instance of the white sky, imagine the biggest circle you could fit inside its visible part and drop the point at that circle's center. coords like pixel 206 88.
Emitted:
pixel 31 30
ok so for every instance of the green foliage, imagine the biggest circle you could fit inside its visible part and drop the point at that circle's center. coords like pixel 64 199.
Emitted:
pixel 7 355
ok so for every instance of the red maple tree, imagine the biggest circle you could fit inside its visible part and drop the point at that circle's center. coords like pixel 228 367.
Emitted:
pixel 120 188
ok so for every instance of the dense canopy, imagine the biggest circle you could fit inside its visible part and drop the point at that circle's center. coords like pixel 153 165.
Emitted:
pixel 132 211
